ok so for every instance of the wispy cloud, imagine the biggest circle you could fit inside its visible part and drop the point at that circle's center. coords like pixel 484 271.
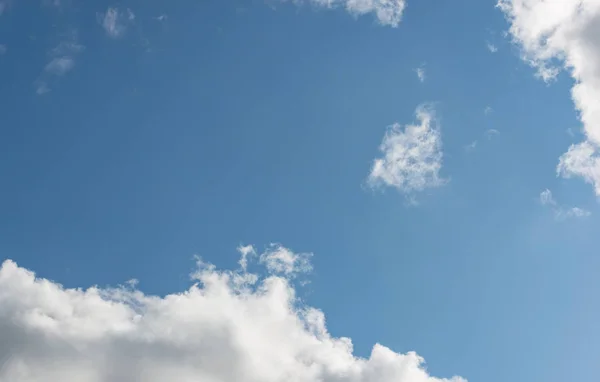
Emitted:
pixel 561 212
pixel 115 22
pixel 62 60
pixel 59 66
pixel 387 12
pixel 3 49
pixel 491 133
pixel 412 155
pixel 420 71
pixel 491 47
pixel 230 326
pixel 471 146
pixel 488 110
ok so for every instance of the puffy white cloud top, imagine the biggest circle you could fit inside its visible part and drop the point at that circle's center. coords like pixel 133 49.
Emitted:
pixel 230 326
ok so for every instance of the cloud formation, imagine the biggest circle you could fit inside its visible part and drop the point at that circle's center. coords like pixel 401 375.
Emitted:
pixel 115 21
pixel 557 35
pixel 420 73
pixel 62 60
pixel 560 212
pixel 412 155
pixel 231 326
pixel 387 12
pixel 491 47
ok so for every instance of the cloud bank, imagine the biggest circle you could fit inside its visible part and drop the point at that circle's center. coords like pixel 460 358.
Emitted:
pixel 387 12
pixel 412 155
pixel 230 326
pixel 557 35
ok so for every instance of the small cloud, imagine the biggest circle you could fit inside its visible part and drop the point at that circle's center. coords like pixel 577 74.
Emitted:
pixel 60 66
pixel 546 198
pixel 491 133
pixel 161 18
pixel 61 61
pixel 412 155
pixel 491 47
pixel 41 88
pixel 3 49
pixel 112 23
pixel 420 73
pixel 488 110
pixel 387 12
pixel 471 146
pixel 2 7
pixel 561 212
pixel 574 212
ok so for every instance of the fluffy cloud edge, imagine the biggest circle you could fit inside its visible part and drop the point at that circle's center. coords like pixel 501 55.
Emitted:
pixel 228 326
pixel 411 155
pixel 563 35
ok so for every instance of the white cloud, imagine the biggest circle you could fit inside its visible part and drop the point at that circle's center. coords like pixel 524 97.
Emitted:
pixel 60 65
pixel 574 212
pixel 491 47
pixel 3 49
pixel 62 60
pixel 41 87
pixel 412 155
pixel 557 35
pixel 488 110
pixel 112 21
pixel 546 198
pixel 220 330
pixel 245 252
pixel 491 133
pixel 560 212
pixel 280 260
pixel 420 73
pixel 387 12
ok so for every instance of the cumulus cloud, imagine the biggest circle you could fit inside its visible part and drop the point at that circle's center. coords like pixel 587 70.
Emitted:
pixel 557 35
pixel 227 327
pixel 561 212
pixel 387 12
pixel 412 155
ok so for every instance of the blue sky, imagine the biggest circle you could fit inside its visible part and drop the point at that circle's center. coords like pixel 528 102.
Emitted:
pixel 136 134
